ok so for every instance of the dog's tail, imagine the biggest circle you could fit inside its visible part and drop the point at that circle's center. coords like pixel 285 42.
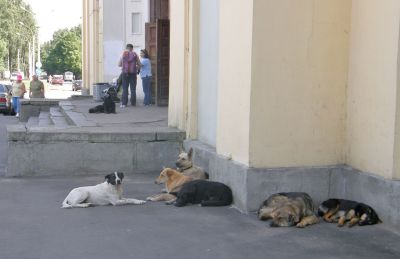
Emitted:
pixel 207 175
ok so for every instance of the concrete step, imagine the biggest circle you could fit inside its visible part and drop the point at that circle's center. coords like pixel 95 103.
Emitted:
pixel 75 118
pixel 44 119
pixel 58 118
pixel 33 121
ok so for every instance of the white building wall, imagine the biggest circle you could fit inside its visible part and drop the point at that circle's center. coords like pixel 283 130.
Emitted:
pixel 136 34
pixel 117 32
pixel 113 38
pixel 208 71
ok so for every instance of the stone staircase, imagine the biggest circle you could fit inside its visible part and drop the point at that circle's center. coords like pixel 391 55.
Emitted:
pixel 53 118
pixel 61 140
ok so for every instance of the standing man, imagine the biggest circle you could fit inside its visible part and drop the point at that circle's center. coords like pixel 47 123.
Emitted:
pixel 130 64
pixel 36 88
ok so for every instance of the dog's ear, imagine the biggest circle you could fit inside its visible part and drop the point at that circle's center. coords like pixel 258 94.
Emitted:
pixel 181 148
pixel 190 153
pixel 107 177
pixel 120 175
pixel 169 172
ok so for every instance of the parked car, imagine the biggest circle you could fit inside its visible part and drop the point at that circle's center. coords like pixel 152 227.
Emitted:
pixel 77 85
pixel 5 99
pixel 57 79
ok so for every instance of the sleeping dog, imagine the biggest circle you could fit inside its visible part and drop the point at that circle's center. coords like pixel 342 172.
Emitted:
pixel 207 193
pixel 108 105
pixel 288 209
pixel 340 211
pixel 108 192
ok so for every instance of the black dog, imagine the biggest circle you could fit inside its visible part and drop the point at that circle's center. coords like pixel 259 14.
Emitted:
pixel 340 211
pixel 108 106
pixel 206 193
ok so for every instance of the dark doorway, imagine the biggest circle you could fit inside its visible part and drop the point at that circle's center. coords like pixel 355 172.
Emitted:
pixel 157 43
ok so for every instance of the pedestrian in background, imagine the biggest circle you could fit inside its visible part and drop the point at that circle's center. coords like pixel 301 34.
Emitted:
pixel 145 74
pixel 18 90
pixel 36 88
pixel 130 64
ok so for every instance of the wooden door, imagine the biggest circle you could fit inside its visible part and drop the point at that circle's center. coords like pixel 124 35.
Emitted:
pixel 157 43
pixel 151 46
pixel 159 9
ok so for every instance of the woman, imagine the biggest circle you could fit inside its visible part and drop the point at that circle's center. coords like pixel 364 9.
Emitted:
pixel 145 74
pixel 18 90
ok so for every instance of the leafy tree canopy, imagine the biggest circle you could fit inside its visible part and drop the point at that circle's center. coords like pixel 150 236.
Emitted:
pixel 63 52
pixel 17 29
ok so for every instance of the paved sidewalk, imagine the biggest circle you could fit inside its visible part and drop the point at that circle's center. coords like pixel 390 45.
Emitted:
pixel 131 116
pixel 34 226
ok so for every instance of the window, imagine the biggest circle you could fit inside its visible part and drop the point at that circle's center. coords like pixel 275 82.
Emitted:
pixel 136 23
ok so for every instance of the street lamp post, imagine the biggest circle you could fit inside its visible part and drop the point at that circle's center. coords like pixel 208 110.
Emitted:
pixel 32 54
pixel 38 64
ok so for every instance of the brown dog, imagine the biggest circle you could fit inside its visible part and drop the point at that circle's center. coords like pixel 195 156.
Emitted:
pixel 173 183
pixel 185 165
pixel 288 209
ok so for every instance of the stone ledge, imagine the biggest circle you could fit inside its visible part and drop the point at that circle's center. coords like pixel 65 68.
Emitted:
pixel 92 135
pixel 251 186
pixel 16 132
pixel 41 151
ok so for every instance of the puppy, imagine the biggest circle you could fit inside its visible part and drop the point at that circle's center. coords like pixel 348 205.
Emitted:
pixel 207 193
pixel 108 106
pixel 173 181
pixel 342 211
pixel 288 209
pixel 185 165
pixel 108 192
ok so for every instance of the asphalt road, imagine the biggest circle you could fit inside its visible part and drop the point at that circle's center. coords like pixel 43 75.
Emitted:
pixel 34 226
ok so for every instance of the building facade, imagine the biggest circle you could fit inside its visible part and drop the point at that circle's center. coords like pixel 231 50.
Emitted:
pixel 107 27
pixel 279 95
pixel 291 96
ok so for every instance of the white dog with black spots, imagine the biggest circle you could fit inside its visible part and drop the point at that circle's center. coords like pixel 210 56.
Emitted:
pixel 106 193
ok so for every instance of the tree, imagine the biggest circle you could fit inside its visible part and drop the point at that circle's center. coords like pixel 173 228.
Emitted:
pixel 17 28
pixel 63 52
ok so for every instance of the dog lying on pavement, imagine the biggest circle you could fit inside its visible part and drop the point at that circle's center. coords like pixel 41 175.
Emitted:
pixel 342 211
pixel 205 193
pixel 185 165
pixel 288 209
pixel 173 181
pixel 106 193
pixel 108 106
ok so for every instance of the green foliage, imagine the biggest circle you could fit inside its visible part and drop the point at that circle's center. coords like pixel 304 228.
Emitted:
pixel 63 53
pixel 3 53
pixel 17 28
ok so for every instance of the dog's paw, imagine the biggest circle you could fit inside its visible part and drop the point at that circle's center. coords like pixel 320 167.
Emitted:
pixel 150 198
pixel 140 202
pixel 300 225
